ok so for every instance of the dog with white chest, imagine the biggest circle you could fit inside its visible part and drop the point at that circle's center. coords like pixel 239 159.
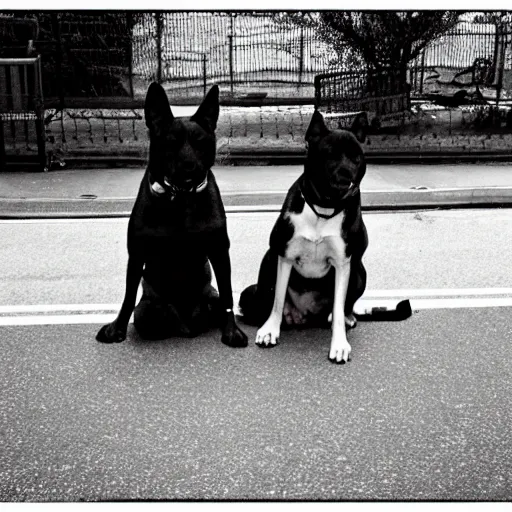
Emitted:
pixel 313 266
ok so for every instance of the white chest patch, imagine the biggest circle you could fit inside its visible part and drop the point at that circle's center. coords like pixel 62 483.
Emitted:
pixel 316 243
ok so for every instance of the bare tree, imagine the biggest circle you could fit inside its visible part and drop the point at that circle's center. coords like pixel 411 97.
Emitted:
pixel 381 39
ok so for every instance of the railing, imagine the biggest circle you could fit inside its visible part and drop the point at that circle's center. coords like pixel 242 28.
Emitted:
pixel 88 56
pixel 379 93
pixel 21 105
pixel 240 52
pixel 468 55
pixel 96 67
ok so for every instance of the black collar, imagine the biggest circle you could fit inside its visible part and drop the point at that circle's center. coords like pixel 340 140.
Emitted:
pixel 313 198
pixel 173 190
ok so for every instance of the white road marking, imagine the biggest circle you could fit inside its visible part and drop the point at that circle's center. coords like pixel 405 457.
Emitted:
pixel 57 319
pixel 435 303
pixel 62 314
pixel 65 221
pixel 438 292
pixel 436 189
pixel 52 308
pixel 491 302
pixel 460 294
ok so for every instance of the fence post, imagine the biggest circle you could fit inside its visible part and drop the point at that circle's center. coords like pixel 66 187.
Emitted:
pixel 500 64
pixel 318 91
pixel 422 74
pixel 58 56
pixel 204 74
pixel 230 37
pixel 301 55
pixel 129 26
pixel 158 19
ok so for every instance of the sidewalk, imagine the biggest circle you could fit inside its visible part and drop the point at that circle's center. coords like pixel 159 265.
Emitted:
pixel 111 192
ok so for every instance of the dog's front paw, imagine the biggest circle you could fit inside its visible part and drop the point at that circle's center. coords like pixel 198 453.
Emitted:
pixel 268 334
pixel 234 337
pixel 340 351
pixel 111 334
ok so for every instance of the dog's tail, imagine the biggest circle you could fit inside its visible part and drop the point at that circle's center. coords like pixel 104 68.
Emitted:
pixel 401 311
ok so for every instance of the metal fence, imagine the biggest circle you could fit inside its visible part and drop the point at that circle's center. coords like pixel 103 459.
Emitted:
pixel 242 53
pixel 341 95
pixel 105 55
pixel 252 53
pixel 450 60
pixel 84 54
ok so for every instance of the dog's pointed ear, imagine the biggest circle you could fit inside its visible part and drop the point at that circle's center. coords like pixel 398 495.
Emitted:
pixel 207 114
pixel 360 126
pixel 317 128
pixel 157 110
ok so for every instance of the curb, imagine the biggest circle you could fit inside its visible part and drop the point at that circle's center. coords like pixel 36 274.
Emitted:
pixel 294 156
pixel 483 197
pixel 377 200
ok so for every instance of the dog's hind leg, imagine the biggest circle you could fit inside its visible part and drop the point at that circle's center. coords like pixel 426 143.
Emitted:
pixel 156 319
pixel 257 299
pixel 159 321
pixel 249 306
pixel 356 287
pixel 212 306
pixel 232 335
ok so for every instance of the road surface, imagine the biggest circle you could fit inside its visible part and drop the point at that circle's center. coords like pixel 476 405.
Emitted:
pixel 423 410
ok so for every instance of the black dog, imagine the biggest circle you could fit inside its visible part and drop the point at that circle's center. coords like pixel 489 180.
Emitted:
pixel 177 227
pixel 314 264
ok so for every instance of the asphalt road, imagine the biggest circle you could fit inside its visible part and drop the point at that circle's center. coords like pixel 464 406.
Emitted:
pixel 422 412
pixel 83 262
